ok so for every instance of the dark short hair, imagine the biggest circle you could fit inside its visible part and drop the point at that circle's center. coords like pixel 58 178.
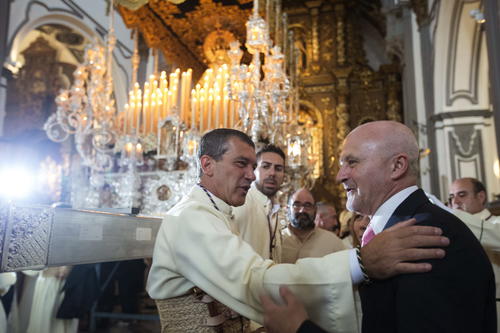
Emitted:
pixel 270 148
pixel 214 143
pixel 478 186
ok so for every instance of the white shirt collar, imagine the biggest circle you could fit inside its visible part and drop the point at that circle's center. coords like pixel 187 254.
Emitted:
pixel 263 199
pixel 385 211
pixel 484 214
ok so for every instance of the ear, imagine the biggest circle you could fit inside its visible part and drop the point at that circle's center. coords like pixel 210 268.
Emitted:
pixel 207 165
pixel 400 165
pixel 482 196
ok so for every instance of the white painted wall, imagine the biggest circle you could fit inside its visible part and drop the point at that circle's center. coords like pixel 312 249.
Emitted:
pixel 86 17
pixel 461 85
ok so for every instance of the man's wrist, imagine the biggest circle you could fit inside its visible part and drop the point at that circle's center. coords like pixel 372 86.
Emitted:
pixel 366 278
pixel 355 269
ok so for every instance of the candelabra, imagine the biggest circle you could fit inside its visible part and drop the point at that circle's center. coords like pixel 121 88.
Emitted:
pixel 148 151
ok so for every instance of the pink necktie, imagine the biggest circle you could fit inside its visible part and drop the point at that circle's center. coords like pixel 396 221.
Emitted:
pixel 367 235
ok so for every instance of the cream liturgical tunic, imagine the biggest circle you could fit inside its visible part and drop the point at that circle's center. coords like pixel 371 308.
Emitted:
pixel 198 245
pixel 260 224
pixel 317 243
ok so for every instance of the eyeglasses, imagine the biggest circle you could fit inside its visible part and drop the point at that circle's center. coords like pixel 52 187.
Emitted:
pixel 306 205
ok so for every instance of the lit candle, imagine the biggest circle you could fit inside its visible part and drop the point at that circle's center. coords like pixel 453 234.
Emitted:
pixel 139 108
pixel 145 110
pixel 138 151
pixel 210 105
pixel 193 109
pixel 152 113
pixel 125 119
pixel 201 111
pixel 128 149
pixel 217 110
pixel 224 108
pixel 188 87
pixel 183 95
pixel 232 107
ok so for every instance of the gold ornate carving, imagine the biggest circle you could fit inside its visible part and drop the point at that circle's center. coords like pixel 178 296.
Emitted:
pixel 315 66
pixel 340 33
pixel 216 46
pixel 158 36
pixel 393 93
pixel 335 77
pixel 181 35
pixel 421 9
pixel 31 98
pixel 131 4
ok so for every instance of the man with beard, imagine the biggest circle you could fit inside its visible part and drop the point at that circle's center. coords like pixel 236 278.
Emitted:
pixel 301 239
pixel 259 219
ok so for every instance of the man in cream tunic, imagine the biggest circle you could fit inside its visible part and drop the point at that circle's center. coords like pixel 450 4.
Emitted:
pixel 301 238
pixel 198 246
pixel 469 195
pixel 261 218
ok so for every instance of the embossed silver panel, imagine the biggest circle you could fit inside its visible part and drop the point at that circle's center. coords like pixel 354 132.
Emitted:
pixel 37 237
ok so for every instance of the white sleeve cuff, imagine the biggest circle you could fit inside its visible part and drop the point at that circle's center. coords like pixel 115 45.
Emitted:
pixel 356 274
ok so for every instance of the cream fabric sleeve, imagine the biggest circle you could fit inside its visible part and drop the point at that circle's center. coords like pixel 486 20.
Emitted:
pixel 487 233
pixel 324 285
pixel 198 248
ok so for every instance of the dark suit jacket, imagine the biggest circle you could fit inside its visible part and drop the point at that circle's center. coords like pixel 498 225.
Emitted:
pixel 458 295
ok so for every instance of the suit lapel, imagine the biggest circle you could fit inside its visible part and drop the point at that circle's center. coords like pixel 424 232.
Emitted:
pixel 407 209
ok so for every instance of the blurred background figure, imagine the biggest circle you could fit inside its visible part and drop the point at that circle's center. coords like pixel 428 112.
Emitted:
pixel 356 224
pixel 47 298
pixel 7 280
pixel 326 218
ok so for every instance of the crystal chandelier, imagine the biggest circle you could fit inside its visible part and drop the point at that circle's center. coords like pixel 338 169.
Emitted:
pixel 87 109
pixel 269 105
pixel 145 156
pixel 256 95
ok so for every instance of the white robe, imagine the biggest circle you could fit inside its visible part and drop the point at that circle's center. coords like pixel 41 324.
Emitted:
pixel 198 245
pixel 46 301
pixel 253 219
pixel 6 281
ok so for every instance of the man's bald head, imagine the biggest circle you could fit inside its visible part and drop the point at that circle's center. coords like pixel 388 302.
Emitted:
pixel 378 160
pixel 389 138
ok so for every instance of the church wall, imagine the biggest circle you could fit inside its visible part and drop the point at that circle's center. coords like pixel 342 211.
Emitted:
pixel 88 20
pixel 465 135
pixel 417 120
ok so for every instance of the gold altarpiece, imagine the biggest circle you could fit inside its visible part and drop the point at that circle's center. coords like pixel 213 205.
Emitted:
pixel 338 90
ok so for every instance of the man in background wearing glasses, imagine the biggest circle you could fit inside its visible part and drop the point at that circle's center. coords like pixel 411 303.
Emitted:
pixel 301 239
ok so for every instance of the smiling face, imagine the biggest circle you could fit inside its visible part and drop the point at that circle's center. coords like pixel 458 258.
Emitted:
pixel 230 177
pixel 364 174
pixel 378 160
pixel 270 173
